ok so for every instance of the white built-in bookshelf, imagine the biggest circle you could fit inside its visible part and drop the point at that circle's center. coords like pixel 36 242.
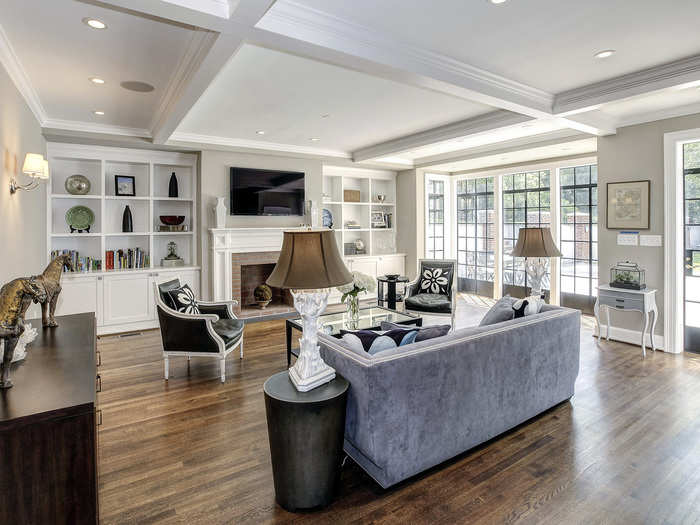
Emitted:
pixel 370 184
pixel 151 171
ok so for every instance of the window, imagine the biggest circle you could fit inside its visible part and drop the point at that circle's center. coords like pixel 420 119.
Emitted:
pixel 691 197
pixel 435 228
pixel 579 236
pixel 475 236
pixel 526 203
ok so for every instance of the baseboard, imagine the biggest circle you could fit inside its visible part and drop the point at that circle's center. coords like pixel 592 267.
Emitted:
pixel 634 337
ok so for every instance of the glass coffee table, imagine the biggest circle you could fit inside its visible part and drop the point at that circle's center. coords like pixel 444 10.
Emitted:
pixel 371 318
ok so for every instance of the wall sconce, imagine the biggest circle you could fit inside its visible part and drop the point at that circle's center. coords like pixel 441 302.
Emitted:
pixel 36 167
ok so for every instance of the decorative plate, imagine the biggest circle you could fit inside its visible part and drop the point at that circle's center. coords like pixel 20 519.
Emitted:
pixel 80 217
pixel 77 185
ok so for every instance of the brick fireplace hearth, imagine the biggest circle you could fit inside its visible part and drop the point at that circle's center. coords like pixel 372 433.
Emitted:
pixel 248 270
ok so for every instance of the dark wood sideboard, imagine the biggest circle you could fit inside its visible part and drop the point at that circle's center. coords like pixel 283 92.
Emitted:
pixel 48 428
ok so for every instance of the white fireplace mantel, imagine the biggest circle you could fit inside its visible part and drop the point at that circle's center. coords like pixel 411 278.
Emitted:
pixel 226 241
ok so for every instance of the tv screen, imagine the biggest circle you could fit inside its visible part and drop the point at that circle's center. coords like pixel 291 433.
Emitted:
pixel 266 192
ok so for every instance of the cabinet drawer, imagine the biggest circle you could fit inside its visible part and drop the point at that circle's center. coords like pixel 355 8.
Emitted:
pixel 622 303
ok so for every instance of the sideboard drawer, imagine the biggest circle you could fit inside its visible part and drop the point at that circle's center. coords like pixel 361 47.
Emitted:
pixel 622 302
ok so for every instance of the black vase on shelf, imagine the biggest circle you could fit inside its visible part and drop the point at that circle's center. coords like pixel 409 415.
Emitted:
pixel 172 187
pixel 127 221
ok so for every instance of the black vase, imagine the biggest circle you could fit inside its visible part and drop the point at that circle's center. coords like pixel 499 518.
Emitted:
pixel 127 221
pixel 172 187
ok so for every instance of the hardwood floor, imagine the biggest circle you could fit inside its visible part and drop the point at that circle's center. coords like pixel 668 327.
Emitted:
pixel 626 449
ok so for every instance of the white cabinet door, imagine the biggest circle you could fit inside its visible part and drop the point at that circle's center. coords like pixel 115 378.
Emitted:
pixel 366 266
pixel 128 298
pixel 78 296
pixel 388 264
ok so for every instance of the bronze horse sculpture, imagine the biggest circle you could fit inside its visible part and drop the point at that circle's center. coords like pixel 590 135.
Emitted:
pixel 50 280
pixel 15 297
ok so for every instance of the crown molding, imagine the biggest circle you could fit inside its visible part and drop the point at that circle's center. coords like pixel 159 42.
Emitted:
pixel 90 127
pixel 198 47
pixel 589 97
pixel 470 126
pixel 318 27
pixel 209 140
pixel 218 8
pixel 662 114
pixel 10 60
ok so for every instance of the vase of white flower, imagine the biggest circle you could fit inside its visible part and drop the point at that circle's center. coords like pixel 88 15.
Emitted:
pixel 351 291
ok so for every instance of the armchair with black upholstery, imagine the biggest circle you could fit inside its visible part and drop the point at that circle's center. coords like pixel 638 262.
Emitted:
pixel 214 332
pixel 434 292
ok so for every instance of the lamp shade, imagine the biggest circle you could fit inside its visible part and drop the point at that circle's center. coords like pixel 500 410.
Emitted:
pixel 535 242
pixel 45 172
pixel 309 260
pixel 33 165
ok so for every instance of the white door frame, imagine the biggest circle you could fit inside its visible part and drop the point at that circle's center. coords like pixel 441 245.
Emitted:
pixel 674 210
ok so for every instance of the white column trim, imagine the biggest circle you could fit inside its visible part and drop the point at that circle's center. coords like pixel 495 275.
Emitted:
pixel 673 231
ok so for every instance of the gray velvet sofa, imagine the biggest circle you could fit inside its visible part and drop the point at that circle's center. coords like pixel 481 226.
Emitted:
pixel 413 407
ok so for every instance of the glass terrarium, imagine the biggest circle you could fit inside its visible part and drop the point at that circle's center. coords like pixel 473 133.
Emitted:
pixel 628 275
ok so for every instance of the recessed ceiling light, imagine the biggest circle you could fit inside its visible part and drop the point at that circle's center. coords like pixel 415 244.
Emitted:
pixel 605 53
pixel 325 115
pixel 94 23
pixel 99 113
pixel 498 1
pixel 314 139
pixel 96 80
pixel 260 132
pixel 137 85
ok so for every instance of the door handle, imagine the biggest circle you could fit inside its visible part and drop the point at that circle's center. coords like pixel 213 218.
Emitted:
pixel 99 358
pixel 98 413
pixel 98 383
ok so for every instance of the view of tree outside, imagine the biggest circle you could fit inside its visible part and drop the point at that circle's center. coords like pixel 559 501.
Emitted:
pixel 691 170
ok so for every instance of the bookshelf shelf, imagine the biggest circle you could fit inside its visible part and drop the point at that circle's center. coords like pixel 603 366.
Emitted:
pixel 151 171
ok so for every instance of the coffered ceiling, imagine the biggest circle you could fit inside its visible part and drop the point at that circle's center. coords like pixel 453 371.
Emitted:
pixel 396 82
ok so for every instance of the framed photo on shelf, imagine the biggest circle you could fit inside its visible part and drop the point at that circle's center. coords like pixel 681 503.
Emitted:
pixel 378 219
pixel 124 186
pixel 628 205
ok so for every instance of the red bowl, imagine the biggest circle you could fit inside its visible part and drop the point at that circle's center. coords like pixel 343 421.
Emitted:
pixel 172 220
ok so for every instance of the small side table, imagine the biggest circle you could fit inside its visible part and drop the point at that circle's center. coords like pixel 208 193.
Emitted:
pixel 643 301
pixel 391 290
pixel 306 431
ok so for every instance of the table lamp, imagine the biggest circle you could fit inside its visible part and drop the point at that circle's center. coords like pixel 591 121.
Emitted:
pixel 309 264
pixel 536 245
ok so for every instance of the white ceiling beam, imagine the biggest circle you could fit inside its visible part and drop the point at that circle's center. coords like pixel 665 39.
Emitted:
pixel 544 139
pixel 664 76
pixel 470 126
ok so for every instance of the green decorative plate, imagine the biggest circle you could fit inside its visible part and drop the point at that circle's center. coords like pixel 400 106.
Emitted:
pixel 80 218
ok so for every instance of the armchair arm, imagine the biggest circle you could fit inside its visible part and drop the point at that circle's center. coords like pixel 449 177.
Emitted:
pixel 224 309
pixel 412 287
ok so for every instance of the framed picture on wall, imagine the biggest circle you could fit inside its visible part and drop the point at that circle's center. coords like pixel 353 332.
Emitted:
pixel 628 205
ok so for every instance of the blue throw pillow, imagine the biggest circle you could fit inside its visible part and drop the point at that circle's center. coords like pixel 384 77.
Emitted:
pixel 372 342
pixel 424 333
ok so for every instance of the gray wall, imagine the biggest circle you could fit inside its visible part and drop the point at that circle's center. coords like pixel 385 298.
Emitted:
pixel 636 153
pixel 22 215
pixel 214 182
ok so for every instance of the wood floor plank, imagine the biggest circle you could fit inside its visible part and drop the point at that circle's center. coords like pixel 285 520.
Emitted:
pixel 626 449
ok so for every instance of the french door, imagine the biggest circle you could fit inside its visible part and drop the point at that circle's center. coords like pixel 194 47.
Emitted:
pixel 476 236
pixel 526 203
pixel 579 237
pixel 691 197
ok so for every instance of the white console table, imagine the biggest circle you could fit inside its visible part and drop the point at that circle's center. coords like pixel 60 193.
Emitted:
pixel 643 301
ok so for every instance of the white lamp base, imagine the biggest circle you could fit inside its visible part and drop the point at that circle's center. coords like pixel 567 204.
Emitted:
pixel 310 371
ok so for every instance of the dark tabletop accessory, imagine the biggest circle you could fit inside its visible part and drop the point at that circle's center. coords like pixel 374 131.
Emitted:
pixel 172 187
pixel 519 309
pixel 127 220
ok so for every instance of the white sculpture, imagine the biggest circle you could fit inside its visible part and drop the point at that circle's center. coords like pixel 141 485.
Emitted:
pixel 220 212
pixel 27 337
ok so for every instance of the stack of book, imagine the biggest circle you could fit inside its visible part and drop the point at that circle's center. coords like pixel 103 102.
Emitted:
pixel 131 258
pixel 80 264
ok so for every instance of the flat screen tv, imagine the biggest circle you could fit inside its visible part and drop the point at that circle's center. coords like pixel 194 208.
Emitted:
pixel 266 192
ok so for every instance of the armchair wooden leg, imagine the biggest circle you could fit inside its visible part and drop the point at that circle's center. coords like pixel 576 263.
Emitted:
pixel 166 365
pixel 241 347
pixel 222 364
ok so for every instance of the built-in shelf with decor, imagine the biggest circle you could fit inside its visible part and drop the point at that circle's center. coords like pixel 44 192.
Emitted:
pixel 122 298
